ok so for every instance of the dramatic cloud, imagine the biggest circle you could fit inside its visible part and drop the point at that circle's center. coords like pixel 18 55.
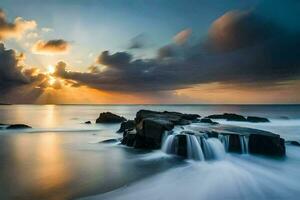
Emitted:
pixel 181 37
pixel 10 71
pixel 238 29
pixel 51 47
pixel 14 29
pixel 14 77
pixel 242 48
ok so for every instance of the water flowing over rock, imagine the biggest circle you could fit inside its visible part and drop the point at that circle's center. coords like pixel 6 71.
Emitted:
pixel 186 136
pixel 194 147
pixel 150 127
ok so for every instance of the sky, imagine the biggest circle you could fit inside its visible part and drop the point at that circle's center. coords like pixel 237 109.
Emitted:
pixel 141 51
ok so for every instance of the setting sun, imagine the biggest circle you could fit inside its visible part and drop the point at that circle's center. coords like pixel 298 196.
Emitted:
pixel 51 80
pixel 51 69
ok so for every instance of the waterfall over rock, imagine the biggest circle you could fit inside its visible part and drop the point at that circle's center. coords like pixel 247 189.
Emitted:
pixel 194 147
pixel 217 148
pixel 201 147
pixel 244 144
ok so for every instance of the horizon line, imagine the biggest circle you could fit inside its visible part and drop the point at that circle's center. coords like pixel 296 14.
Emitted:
pixel 161 104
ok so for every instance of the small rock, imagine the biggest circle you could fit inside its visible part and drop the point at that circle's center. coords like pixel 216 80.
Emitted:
pixel 88 122
pixel 108 117
pixel 18 126
pixel 110 141
pixel 228 117
pixel 257 119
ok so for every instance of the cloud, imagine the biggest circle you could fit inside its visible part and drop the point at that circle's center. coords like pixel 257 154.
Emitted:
pixel 14 78
pixel 51 47
pixel 241 48
pixel 15 29
pixel 138 42
pixel 238 29
pixel 167 51
pixel 32 35
pixel 181 37
pixel 10 70
pixel 116 60
pixel 174 49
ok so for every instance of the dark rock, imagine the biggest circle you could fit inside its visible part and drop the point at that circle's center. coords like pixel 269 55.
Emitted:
pixel 129 138
pixel 150 132
pixel 127 125
pixel 187 133
pixel 271 145
pixel 181 145
pixel 18 126
pixel 235 117
pixel 190 116
pixel 110 141
pixel 257 119
pixel 228 117
pixel 296 143
pixel 88 122
pixel 234 143
pixel 108 117
pixel 212 134
pixel 208 120
pixel 175 117
pixel 151 126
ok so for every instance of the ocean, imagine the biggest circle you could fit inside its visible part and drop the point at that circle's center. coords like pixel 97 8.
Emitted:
pixel 61 157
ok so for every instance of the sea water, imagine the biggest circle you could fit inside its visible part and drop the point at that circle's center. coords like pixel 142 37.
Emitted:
pixel 63 158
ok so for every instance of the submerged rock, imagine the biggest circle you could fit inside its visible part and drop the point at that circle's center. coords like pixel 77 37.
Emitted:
pixel 228 117
pixel 257 119
pixel 236 117
pixel 208 120
pixel 108 117
pixel 18 126
pixel 127 125
pixel 110 141
pixel 295 143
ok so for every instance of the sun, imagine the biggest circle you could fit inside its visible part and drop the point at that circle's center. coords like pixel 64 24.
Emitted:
pixel 51 69
pixel 51 81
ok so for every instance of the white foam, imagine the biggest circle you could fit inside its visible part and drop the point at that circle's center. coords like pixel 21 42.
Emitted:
pixel 233 178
